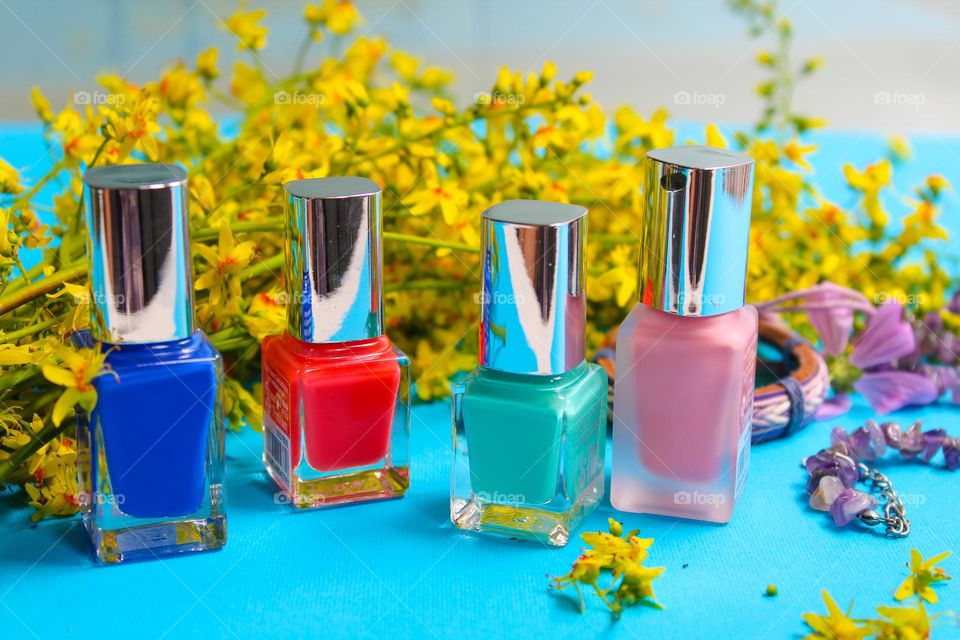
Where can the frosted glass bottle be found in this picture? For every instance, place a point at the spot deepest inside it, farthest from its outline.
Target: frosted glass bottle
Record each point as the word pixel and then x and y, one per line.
pixel 681 432
pixel 686 353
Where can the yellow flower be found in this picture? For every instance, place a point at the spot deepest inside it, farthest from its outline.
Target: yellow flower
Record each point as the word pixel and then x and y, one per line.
pixel 41 105
pixel 76 373
pixel 715 138
pixel 923 573
pixel 207 64
pixel 870 180
pixel 223 264
pixel 836 625
pixel 267 314
pixel 448 197
pixel 937 183
pixel 903 623
pixel 135 128
pixel 796 152
pixel 246 26
pixel 339 16
pixel 9 178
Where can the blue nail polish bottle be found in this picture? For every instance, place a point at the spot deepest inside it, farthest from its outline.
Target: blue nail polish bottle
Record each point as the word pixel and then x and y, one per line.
pixel 151 452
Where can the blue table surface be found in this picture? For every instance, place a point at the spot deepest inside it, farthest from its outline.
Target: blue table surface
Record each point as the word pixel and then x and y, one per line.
pixel 399 569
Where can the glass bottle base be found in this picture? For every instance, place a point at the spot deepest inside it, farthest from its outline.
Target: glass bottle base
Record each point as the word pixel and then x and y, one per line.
pixel 345 488
pixel 159 539
pixel 526 522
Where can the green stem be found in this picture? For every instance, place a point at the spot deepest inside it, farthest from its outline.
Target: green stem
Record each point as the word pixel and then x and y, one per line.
pixel 234 193
pixel 41 287
pixel 610 238
pixel 302 53
pixel 24 198
pixel 428 285
pixel 429 242
pixel 243 227
pixel 270 264
pixel 465 121
pixel 13 336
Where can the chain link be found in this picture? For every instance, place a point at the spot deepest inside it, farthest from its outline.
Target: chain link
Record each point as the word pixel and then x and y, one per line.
pixel 894 513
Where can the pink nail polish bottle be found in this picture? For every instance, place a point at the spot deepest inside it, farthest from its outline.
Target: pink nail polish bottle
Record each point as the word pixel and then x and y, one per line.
pixel 686 354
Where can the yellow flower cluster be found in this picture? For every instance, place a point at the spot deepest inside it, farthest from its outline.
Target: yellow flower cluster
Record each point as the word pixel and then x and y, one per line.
pixel 893 623
pixel 620 558
pixel 379 112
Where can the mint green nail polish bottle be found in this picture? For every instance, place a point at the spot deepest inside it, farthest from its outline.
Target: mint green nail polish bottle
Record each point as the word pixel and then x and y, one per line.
pixel 529 423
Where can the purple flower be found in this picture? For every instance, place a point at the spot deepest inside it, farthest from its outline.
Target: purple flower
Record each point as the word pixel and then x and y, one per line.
pixel 885 339
pixel 832 319
pixel 850 504
pixel 891 390
pixel 836 406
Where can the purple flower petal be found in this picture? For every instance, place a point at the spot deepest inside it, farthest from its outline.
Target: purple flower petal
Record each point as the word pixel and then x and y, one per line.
pixel 891 390
pixel 850 504
pixel 836 406
pixel 886 338
pixel 833 324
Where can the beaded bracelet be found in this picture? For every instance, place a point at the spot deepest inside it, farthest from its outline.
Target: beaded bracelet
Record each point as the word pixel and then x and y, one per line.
pixel 779 408
pixel 833 472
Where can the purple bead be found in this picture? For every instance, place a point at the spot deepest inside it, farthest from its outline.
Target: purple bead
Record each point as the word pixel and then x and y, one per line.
pixel 868 442
pixel 911 441
pixel 840 437
pixel 850 504
pixel 892 434
pixel 826 463
pixel 932 441
pixel 951 453
pixel 876 436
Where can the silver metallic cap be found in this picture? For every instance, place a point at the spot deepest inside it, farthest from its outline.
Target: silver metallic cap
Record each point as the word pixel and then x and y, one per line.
pixel 139 253
pixel 533 317
pixel 696 230
pixel 333 259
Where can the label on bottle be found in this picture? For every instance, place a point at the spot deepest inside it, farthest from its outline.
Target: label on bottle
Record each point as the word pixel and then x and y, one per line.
pixel 276 424
pixel 746 416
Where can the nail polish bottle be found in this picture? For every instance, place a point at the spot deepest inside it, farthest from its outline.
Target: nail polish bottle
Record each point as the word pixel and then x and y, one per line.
pixel 336 391
pixel 686 353
pixel 151 452
pixel 529 424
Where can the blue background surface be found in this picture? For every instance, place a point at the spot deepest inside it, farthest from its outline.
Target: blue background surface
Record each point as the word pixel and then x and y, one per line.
pixel 400 570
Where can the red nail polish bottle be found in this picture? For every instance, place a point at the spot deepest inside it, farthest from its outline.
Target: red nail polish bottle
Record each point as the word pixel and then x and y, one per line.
pixel 336 391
